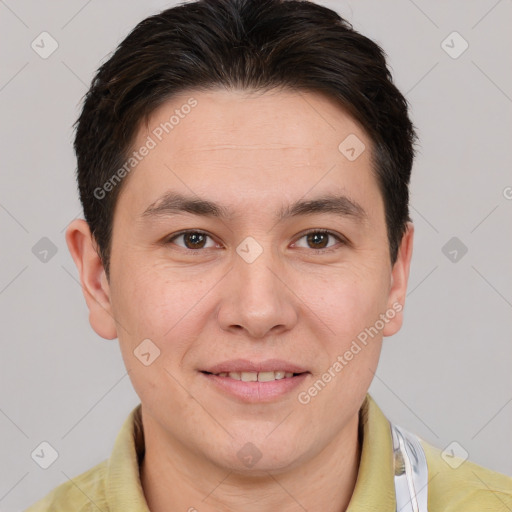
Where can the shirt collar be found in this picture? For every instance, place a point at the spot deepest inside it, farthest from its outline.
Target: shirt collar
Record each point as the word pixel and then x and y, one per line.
pixel 123 486
pixel 374 490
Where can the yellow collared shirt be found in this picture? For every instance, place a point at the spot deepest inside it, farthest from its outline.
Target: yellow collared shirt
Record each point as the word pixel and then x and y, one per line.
pixel 114 484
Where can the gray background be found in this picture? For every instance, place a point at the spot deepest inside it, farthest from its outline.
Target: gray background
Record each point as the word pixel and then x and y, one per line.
pixel 446 376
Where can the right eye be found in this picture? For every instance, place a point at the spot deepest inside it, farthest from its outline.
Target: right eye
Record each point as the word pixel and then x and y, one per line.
pixel 193 240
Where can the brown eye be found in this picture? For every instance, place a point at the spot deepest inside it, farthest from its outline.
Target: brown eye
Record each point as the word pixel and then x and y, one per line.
pixel 192 240
pixel 319 239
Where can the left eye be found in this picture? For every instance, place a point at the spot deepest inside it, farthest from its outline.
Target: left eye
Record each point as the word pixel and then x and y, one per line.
pixel 319 238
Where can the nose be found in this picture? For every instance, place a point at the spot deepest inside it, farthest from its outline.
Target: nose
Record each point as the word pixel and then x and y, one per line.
pixel 258 301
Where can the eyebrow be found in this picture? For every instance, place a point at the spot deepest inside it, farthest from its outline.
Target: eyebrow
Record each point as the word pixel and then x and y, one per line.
pixel 173 203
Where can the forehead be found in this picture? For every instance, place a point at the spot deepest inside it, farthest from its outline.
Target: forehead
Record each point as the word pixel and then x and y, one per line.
pixel 279 119
pixel 243 146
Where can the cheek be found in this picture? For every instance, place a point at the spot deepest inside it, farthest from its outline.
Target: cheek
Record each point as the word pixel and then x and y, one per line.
pixel 152 300
pixel 350 304
pixel 352 308
pixel 154 306
pixel 157 314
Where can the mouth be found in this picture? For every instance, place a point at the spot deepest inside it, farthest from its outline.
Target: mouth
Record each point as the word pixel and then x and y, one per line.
pixel 249 382
pixel 264 376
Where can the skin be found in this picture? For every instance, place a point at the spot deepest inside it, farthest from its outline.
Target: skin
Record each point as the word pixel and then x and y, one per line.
pixel 253 153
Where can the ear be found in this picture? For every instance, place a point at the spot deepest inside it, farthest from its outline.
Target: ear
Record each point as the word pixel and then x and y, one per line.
pixel 399 280
pixel 95 286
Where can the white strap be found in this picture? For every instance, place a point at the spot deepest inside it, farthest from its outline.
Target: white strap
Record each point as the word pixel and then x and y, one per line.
pixel 411 471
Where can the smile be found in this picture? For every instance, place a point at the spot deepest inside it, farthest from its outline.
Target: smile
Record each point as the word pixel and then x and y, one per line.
pixel 255 387
pixel 256 376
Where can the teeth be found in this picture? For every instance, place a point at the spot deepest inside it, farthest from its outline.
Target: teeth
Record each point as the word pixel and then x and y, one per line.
pixel 248 376
pixel 266 376
pixel 257 376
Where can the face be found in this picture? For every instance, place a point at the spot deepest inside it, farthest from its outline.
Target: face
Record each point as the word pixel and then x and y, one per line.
pixel 286 273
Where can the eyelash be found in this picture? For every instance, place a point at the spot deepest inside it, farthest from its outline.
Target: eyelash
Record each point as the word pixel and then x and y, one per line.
pixel 340 239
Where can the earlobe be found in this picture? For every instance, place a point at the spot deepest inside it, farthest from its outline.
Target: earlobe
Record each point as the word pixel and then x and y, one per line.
pixel 399 280
pixel 95 286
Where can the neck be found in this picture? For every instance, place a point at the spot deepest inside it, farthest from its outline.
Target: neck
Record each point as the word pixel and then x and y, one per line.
pixel 173 479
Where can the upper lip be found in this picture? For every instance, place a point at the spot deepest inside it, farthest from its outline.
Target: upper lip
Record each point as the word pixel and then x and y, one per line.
pixel 244 365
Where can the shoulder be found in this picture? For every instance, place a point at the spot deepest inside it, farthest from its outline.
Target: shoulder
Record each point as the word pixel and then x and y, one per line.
pixel 83 493
pixel 457 485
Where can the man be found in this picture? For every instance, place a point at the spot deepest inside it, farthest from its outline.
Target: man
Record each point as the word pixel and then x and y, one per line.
pixel 243 167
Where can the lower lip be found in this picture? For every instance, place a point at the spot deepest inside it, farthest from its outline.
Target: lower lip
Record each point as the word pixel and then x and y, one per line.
pixel 256 391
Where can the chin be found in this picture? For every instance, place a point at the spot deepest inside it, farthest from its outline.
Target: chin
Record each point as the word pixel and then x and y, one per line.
pixel 259 458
